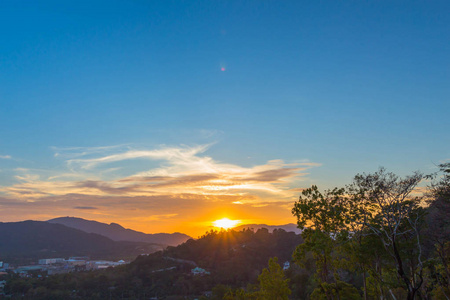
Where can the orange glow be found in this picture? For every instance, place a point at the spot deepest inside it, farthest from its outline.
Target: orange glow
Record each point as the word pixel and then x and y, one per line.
pixel 184 191
pixel 226 223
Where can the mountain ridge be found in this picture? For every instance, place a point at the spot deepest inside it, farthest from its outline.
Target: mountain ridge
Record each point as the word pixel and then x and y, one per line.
pixel 30 240
pixel 117 232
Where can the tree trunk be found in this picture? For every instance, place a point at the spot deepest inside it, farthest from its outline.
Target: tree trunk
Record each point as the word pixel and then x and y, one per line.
pixel 401 273
pixel 392 294
pixel 364 283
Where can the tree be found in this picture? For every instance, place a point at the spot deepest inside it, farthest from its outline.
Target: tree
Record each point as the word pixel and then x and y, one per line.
pixel 273 285
pixel 324 221
pixel 388 209
pixel 239 294
pixel 441 188
pixel 273 282
pixel 342 228
pixel 438 231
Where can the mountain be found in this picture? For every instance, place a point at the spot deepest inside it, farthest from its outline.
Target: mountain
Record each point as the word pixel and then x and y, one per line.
pixel 288 227
pixel 31 240
pixel 118 233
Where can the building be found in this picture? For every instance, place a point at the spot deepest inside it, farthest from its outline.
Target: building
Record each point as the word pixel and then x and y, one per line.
pixel 103 264
pixel 51 261
pixel 199 271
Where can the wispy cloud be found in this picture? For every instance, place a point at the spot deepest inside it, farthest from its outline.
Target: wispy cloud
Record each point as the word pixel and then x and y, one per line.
pixel 85 207
pixel 181 170
pixel 72 152
pixel 5 157
pixel 177 155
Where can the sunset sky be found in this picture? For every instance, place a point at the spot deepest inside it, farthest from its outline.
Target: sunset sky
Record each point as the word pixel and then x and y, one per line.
pixel 165 116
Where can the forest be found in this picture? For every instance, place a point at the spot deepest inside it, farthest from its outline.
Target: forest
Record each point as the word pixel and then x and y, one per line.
pixel 380 237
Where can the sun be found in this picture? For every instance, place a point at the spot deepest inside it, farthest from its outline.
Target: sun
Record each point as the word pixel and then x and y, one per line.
pixel 226 223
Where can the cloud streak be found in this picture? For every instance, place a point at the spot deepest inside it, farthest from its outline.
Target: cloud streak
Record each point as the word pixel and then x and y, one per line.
pixel 180 179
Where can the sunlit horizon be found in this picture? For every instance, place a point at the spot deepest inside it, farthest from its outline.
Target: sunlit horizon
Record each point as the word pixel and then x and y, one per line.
pixel 226 223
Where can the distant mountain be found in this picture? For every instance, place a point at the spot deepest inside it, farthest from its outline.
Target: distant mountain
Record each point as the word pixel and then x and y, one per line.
pixel 288 227
pixel 118 233
pixel 31 240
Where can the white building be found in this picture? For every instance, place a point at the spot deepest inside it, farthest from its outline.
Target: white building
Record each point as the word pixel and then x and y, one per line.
pixel 50 261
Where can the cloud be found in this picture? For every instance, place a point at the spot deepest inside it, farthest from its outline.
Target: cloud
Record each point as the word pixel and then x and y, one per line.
pixel 85 207
pixel 177 181
pixel 5 157
pixel 274 174
pixel 72 152
pixel 177 155
pixel 181 170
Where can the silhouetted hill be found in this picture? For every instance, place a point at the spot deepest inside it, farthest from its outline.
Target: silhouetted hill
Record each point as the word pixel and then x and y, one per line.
pixel 31 240
pixel 287 227
pixel 118 233
pixel 235 257
pixel 229 257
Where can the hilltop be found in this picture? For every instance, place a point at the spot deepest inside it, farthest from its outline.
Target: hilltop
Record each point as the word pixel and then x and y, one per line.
pixel 291 227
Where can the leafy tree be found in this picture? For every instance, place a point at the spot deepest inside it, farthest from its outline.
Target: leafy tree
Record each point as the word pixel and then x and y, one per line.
pixel 273 282
pixel 388 210
pixel 273 285
pixel 239 294
pixel 366 255
pixel 373 226
pixel 338 290
pixel 323 219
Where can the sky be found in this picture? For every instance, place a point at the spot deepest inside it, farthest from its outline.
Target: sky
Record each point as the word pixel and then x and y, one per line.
pixel 164 116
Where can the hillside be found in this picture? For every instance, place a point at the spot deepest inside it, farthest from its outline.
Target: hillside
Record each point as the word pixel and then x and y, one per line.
pixel 231 258
pixel 118 233
pixel 236 257
pixel 30 240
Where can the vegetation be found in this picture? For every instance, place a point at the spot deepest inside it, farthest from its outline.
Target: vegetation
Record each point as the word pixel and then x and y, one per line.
pixel 375 228
pixel 376 238
pixel 233 259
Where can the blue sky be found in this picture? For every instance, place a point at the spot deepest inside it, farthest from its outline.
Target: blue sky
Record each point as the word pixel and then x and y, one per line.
pixel 339 87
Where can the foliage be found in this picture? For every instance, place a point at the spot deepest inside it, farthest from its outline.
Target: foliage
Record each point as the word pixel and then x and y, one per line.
pixel 273 285
pixel 325 228
pixel 438 233
pixel 376 227
pixel 273 282
pixel 388 211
